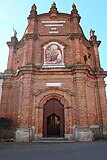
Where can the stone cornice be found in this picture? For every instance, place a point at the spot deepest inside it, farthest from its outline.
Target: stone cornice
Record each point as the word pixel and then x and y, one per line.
pixel 31 36
pixel 13 42
pixel 75 36
pixel 20 44
pixel 53 89
pixel 81 37
pixel 101 74
pixel 54 40
pixel 73 69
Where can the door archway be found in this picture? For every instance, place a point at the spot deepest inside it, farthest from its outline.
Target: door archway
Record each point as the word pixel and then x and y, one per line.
pixel 53 119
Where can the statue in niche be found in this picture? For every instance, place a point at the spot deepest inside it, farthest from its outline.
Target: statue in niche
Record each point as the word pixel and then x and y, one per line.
pixel 53 54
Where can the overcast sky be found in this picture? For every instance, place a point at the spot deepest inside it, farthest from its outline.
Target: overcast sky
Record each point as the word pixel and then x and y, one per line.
pixel 13 14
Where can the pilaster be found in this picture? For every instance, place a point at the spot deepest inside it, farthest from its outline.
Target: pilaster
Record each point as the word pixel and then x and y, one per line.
pixel 12 50
pixel 6 89
pixel 31 34
pixel 96 44
pixel 80 80
pixel 29 49
pixel 102 97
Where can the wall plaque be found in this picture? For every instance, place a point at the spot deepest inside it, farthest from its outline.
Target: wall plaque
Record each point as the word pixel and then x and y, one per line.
pixel 53 84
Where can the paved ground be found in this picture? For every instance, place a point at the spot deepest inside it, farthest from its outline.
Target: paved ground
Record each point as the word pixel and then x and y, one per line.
pixel 54 151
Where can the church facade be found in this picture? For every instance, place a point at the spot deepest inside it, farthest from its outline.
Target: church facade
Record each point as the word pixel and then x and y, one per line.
pixel 54 85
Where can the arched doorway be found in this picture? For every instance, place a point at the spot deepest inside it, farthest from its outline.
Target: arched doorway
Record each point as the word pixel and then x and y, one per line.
pixel 53 119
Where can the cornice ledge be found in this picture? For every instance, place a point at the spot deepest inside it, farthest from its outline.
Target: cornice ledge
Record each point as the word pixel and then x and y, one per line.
pixel 53 90
pixel 101 74
pixel 31 36
pixel 75 36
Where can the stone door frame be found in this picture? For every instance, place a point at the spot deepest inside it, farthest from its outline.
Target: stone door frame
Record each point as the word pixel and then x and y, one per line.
pixel 65 98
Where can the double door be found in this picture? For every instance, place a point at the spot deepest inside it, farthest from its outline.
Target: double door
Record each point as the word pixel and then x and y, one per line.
pixel 53 120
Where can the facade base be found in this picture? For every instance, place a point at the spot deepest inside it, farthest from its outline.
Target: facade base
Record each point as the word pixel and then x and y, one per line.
pixel 82 133
pixel 104 132
pixel 38 136
pixel 97 131
pixel 68 136
pixel 24 135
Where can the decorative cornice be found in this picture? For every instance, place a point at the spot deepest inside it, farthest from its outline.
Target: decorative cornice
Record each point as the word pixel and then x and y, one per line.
pixel 75 36
pixel 81 36
pixel 20 44
pixel 53 89
pixel 101 74
pixel 31 36
pixel 13 42
pixel 54 40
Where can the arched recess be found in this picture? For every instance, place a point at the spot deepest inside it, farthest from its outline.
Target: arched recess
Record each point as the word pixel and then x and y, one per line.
pixel 41 98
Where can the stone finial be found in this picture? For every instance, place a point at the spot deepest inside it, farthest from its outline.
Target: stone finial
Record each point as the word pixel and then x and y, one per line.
pixel 53 11
pixel 74 13
pixel 73 6
pixel 74 9
pixel 53 5
pixel 34 7
pixel 33 12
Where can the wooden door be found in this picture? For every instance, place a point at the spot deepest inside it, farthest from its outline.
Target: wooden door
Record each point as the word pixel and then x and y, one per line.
pixel 53 119
pixel 53 126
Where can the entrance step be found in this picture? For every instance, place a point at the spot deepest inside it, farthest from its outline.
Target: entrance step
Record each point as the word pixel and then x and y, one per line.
pixel 54 140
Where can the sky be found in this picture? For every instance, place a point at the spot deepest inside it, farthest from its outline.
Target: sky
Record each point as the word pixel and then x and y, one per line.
pixel 13 14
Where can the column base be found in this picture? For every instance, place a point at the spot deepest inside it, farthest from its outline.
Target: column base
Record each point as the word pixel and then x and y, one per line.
pixel 68 136
pixel 97 131
pixel 38 136
pixel 23 135
pixel 104 130
pixel 82 133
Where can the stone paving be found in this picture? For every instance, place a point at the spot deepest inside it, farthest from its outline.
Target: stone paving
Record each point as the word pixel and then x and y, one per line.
pixel 54 151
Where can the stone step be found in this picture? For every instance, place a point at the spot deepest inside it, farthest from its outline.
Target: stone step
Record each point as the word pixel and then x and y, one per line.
pixel 53 140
